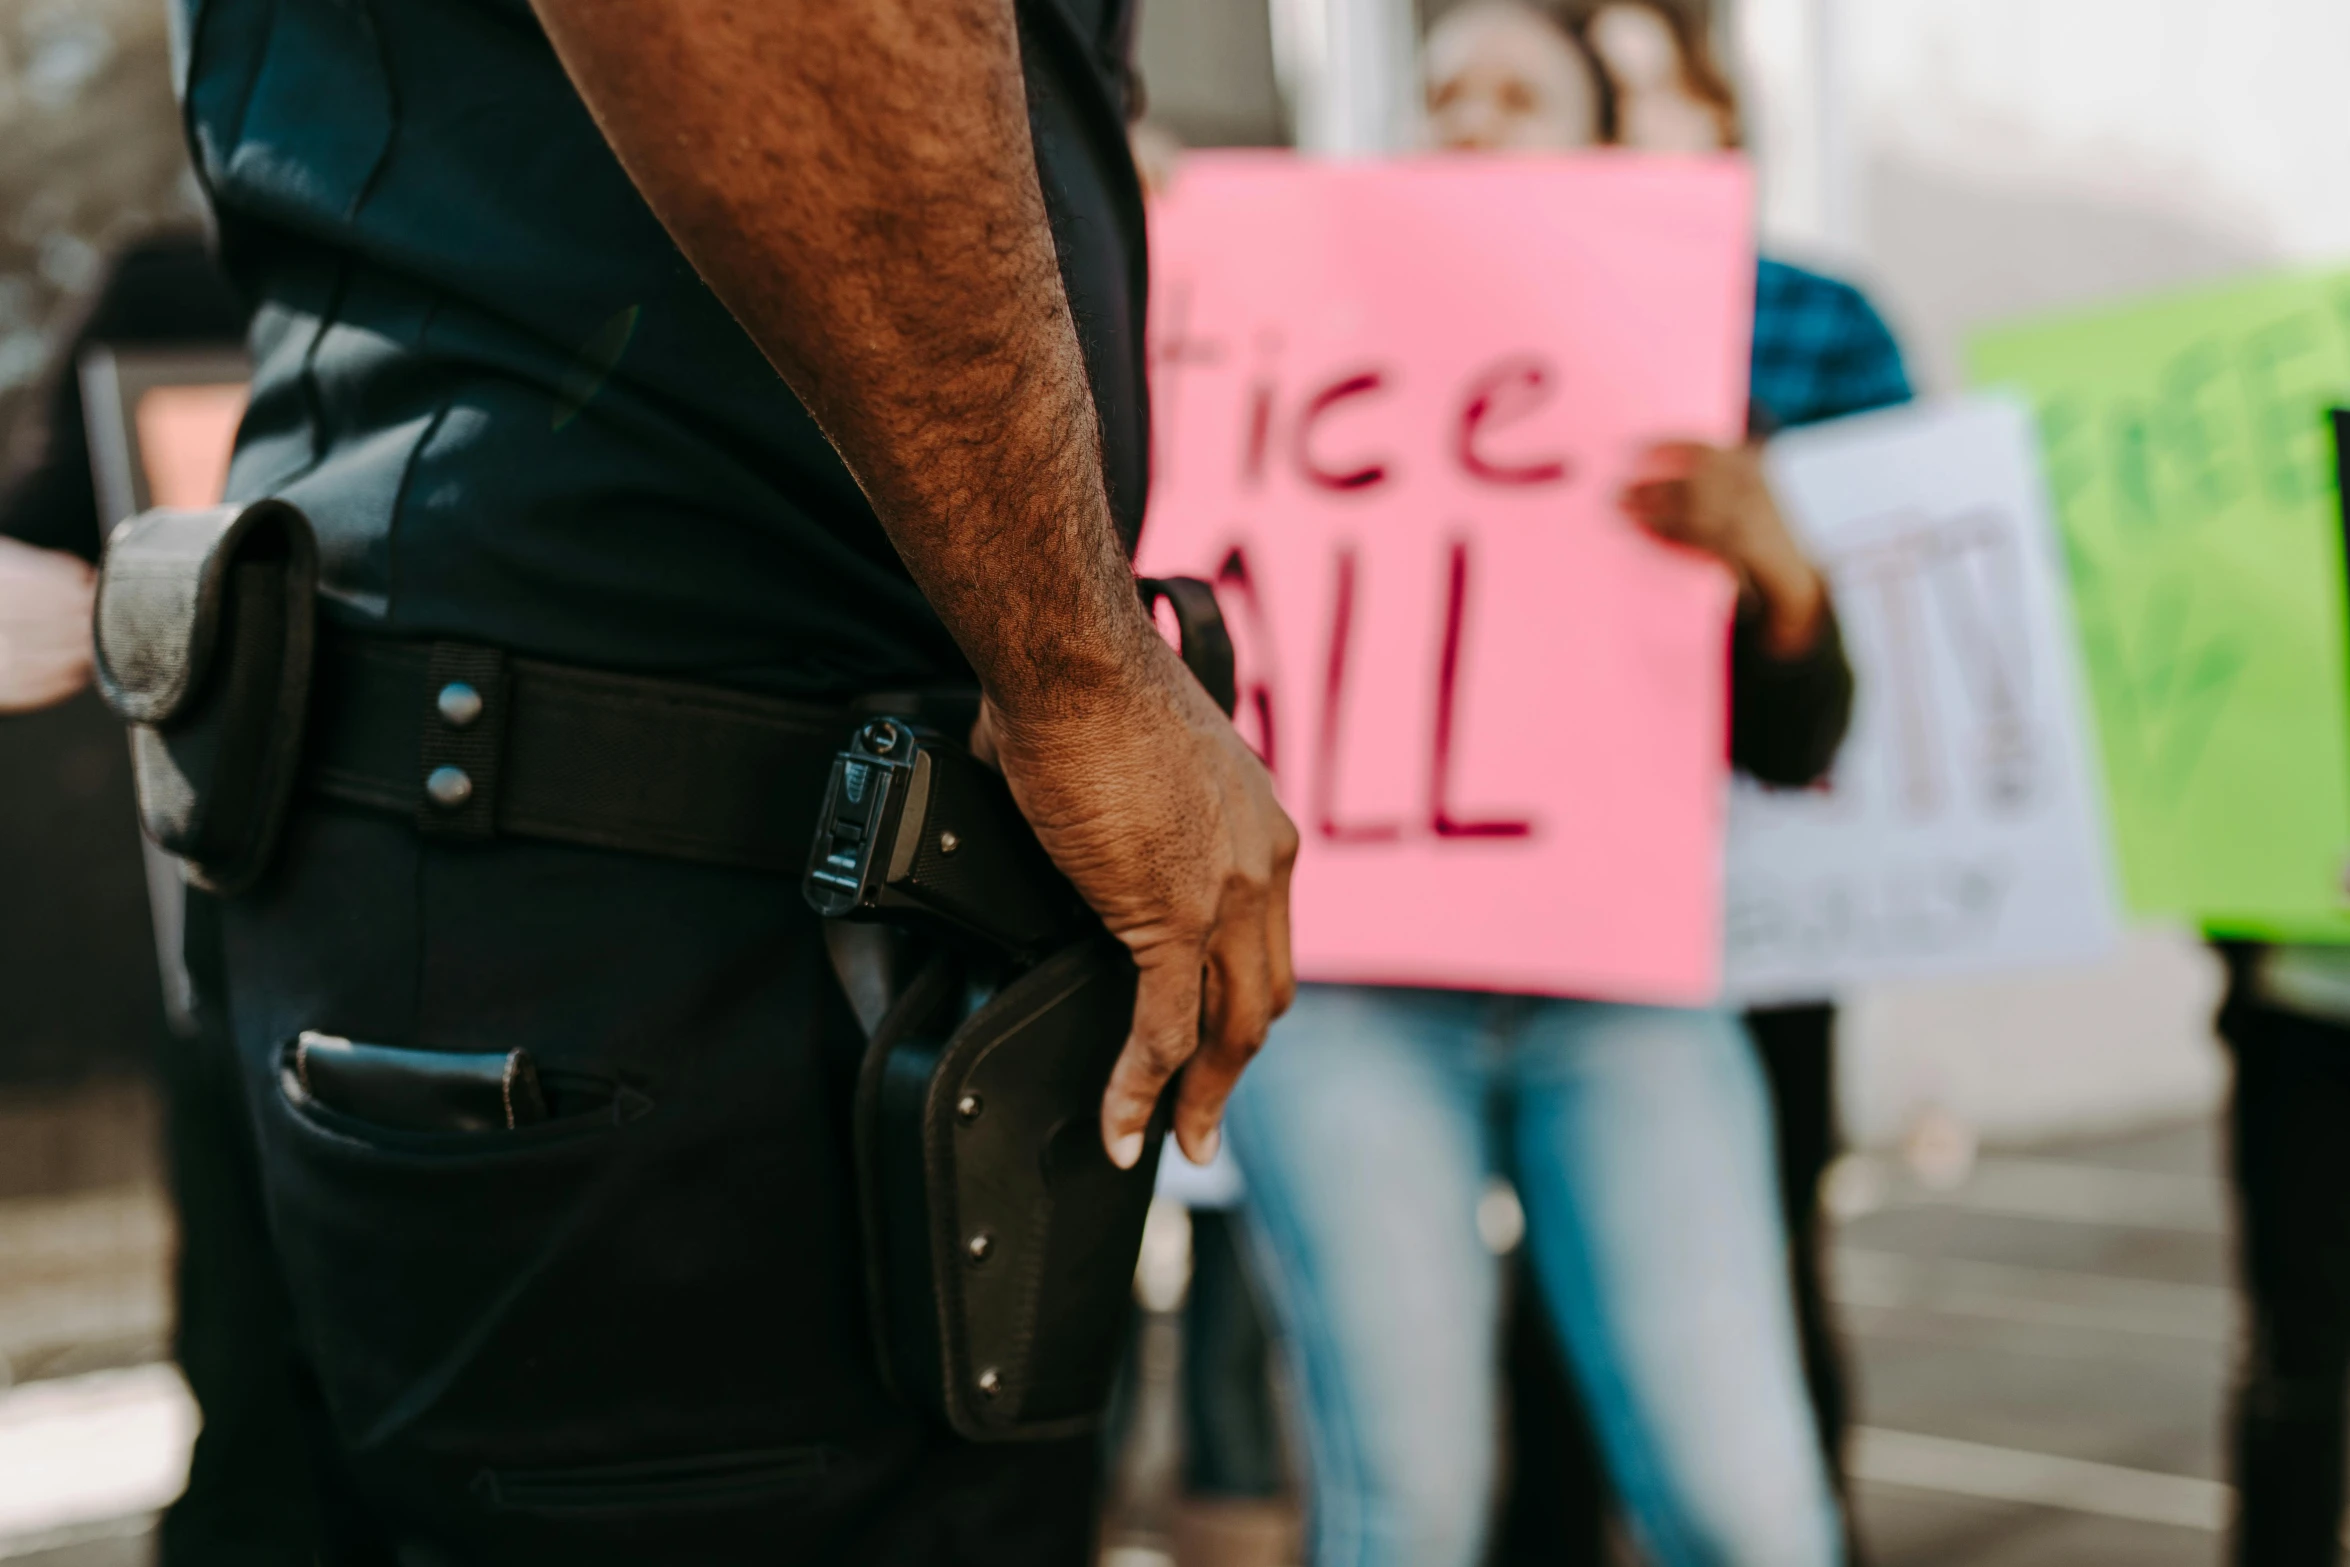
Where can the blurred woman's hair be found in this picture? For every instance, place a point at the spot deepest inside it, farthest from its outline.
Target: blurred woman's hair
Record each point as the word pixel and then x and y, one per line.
pixel 1702 75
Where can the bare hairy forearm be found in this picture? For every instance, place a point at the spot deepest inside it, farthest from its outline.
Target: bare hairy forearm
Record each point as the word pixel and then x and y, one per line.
pixel 857 184
pixel 855 180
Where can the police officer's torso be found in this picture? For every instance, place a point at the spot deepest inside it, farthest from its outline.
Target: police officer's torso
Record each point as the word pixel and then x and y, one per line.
pixel 507 403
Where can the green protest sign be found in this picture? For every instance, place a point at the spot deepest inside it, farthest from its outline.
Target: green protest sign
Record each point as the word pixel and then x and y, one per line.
pixel 2191 462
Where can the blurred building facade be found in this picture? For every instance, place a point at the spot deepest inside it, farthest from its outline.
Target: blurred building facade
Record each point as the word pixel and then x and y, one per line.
pixel 1983 159
pixel 1208 73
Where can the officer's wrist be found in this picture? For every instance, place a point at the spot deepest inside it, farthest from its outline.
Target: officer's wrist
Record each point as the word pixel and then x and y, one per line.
pixel 1078 672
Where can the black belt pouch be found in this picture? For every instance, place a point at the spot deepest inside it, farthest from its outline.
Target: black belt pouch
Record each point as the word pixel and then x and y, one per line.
pixel 205 625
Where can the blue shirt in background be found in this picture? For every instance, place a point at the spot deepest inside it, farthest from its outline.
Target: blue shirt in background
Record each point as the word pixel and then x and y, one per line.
pixel 1821 351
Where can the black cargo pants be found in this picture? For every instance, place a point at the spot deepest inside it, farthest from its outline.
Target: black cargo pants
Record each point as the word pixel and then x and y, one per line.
pixel 634 1334
pixel 255 1479
pixel 2290 1157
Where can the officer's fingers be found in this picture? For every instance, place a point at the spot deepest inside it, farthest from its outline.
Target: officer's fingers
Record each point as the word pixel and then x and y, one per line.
pixel 1199 1106
pixel 1204 1092
pixel 1195 1127
pixel 1165 1034
pixel 1236 1032
pixel 1277 921
pixel 1239 1001
pixel 1240 1008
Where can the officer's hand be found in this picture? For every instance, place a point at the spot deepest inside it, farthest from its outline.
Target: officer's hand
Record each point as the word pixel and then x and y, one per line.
pixel 45 652
pixel 1149 801
pixel 1718 499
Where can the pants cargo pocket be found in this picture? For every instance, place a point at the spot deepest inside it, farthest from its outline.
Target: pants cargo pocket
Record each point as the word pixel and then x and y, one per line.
pixel 712 1480
pixel 426 1267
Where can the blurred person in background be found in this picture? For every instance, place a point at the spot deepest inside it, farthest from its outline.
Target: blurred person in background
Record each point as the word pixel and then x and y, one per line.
pixel 248 1498
pixel 1638 1137
pixel 2286 1020
pixel 1665 90
pixel 1821 351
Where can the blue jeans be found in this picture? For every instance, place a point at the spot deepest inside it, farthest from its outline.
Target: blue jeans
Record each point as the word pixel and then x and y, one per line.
pixel 1639 1141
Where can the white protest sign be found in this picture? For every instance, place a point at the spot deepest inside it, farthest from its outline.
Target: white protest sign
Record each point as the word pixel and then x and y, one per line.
pixel 1960 831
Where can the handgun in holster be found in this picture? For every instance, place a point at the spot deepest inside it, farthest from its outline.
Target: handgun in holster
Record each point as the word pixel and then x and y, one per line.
pixel 1000 1241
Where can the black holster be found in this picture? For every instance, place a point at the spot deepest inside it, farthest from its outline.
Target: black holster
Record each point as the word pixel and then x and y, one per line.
pixel 205 632
pixel 1000 1241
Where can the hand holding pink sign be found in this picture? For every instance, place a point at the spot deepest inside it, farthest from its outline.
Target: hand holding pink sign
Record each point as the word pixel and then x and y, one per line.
pixel 1394 404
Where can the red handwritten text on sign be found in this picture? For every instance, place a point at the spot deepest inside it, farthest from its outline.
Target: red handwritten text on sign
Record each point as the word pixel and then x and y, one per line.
pixel 1392 404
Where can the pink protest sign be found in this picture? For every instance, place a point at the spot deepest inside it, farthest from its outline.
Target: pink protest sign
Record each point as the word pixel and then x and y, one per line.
pixel 1392 406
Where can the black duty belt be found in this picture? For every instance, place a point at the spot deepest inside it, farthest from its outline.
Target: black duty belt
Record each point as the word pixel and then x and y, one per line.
pixel 473 743
pixel 210 648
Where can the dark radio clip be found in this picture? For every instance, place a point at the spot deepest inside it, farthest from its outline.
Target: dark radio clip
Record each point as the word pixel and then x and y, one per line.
pixel 919 831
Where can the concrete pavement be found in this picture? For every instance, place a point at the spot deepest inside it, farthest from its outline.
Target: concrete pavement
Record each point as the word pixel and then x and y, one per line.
pixel 2043 1348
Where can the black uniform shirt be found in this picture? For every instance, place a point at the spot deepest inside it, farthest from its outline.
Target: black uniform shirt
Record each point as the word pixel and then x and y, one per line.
pixel 512 410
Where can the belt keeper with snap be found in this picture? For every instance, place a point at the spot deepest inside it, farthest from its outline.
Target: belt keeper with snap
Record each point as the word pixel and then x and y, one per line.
pixel 463 740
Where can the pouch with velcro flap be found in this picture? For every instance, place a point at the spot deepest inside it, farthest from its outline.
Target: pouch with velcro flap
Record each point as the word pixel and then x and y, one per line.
pixel 206 624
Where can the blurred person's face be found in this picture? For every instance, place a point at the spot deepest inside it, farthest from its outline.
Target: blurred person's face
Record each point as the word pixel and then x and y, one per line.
pixel 1655 111
pixel 1502 78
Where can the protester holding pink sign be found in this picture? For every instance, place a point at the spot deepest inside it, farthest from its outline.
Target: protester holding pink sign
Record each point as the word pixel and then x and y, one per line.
pixel 1404 412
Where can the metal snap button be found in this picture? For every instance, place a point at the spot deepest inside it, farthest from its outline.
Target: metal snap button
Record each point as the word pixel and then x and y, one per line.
pixel 948 843
pixel 448 787
pixel 968 1108
pixel 990 1384
pixel 460 705
pixel 980 1247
